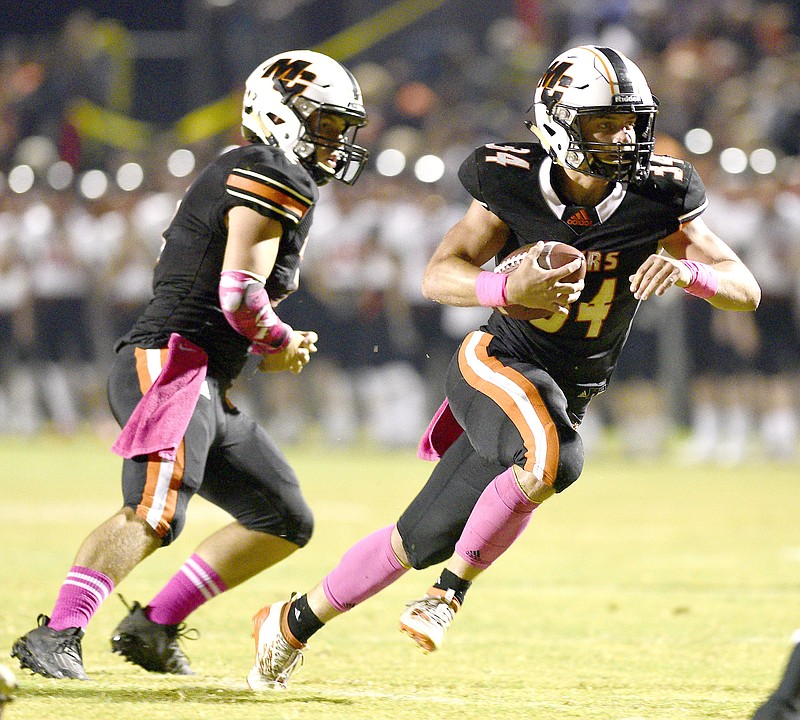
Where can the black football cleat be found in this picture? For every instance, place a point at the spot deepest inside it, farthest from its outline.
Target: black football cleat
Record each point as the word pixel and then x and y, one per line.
pixel 51 653
pixel 151 645
pixel 777 709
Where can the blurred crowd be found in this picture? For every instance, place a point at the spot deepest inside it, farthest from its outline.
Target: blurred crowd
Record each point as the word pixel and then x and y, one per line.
pixel 75 270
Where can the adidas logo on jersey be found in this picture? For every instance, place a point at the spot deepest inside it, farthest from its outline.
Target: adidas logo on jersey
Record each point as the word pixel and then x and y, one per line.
pixel 473 554
pixel 580 218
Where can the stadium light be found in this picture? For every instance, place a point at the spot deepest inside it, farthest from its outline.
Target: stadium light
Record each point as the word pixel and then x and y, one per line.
pixel 429 168
pixel 93 184
pixel 763 161
pixel 733 160
pixel 21 179
pixel 698 141
pixel 130 176
pixel 60 175
pixel 181 162
pixel 390 162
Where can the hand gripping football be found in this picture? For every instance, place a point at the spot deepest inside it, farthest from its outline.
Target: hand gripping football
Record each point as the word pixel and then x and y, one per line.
pixel 554 255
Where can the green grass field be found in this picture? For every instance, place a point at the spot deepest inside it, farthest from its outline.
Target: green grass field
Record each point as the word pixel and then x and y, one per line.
pixel 645 591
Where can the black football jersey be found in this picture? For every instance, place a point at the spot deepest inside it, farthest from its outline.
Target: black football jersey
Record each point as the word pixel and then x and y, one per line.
pixel 186 276
pixel 580 350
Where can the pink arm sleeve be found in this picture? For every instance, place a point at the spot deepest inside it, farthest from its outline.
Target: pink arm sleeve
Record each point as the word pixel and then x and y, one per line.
pixel 246 306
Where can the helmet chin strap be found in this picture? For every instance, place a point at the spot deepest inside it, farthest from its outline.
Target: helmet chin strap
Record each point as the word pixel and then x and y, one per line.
pixel 306 151
pixel 323 174
pixel 623 170
pixel 618 172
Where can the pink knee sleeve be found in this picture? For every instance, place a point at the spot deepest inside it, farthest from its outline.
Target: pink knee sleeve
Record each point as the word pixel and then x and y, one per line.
pixel 497 520
pixel 365 569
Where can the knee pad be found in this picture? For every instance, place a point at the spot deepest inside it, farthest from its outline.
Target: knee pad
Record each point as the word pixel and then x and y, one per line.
pixel 301 527
pixel 296 525
pixel 570 460
pixel 425 547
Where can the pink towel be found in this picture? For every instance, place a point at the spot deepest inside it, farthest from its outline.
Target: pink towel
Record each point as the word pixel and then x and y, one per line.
pixel 442 432
pixel 159 421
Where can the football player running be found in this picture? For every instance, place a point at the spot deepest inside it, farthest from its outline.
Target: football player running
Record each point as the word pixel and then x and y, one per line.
pixel 230 255
pixel 517 390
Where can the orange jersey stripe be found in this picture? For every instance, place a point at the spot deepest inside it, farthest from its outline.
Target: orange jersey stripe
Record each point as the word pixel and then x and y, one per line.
pixel 146 373
pixel 141 370
pixel 520 401
pixel 164 477
pixel 160 496
pixel 272 195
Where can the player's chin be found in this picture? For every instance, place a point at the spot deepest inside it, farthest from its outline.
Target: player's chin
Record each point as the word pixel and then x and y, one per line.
pixel 331 161
pixel 614 161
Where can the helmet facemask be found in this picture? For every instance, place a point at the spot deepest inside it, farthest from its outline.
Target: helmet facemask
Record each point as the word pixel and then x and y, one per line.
pixel 349 158
pixel 619 162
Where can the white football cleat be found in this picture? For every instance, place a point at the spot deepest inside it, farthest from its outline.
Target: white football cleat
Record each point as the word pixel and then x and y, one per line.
pixel 426 620
pixel 8 686
pixel 278 654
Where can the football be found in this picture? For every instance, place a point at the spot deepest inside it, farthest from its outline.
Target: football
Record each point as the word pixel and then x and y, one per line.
pixel 554 255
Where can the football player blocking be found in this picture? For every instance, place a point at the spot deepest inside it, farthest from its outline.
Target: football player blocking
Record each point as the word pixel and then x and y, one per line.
pixel 231 254
pixel 505 438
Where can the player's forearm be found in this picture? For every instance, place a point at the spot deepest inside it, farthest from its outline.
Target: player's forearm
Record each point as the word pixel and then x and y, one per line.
pixel 737 290
pixel 451 282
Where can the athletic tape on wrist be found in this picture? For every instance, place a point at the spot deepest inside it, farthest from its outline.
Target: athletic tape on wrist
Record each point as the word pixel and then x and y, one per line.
pixel 491 289
pixel 705 280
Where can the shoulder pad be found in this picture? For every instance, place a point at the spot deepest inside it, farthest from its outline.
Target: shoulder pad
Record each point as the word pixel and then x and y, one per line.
pixel 497 157
pixel 675 182
pixel 263 176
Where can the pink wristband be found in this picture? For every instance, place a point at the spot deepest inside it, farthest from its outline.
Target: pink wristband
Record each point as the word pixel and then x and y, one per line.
pixel 705 280
pixel 491 289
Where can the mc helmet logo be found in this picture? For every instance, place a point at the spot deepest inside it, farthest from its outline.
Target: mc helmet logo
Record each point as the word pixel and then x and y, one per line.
pixel 555 78
pixel 290 76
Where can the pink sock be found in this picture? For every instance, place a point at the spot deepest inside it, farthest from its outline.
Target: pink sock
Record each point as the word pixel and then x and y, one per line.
pixel 497 520
pixel 81 594
pixel 195 583
pixel 365 569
